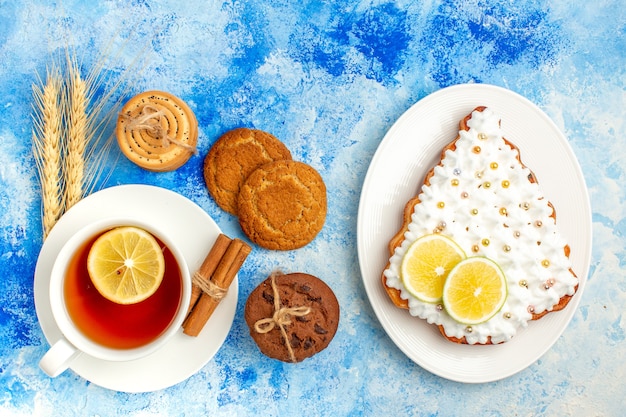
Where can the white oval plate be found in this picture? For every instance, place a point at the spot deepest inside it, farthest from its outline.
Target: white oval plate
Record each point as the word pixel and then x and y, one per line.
pixel 412 147
pixel 195 232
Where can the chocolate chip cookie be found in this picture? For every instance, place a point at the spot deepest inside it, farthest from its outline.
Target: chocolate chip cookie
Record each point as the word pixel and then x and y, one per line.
pixel 292 316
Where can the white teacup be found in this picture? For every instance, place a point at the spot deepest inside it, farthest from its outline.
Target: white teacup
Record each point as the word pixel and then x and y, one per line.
pixel 73 341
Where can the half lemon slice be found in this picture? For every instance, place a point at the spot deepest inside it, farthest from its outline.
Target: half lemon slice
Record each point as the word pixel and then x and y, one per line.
pixel 426 265
pixel 126 264
pixel 474 291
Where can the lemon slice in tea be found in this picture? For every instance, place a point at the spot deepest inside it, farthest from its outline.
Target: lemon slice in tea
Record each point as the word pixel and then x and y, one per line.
pixel 426 265
pixel 475 290
pixel 126 264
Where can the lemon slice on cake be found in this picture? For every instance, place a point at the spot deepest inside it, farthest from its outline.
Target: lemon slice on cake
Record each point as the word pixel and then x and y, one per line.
pixel 474 291
pixel 126 264
pixel 427 263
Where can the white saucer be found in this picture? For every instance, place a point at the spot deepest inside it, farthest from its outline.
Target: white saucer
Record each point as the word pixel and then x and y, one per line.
pixel 195 232
pixel 412 147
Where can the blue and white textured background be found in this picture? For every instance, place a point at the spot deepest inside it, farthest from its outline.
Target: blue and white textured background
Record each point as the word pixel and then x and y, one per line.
pixel 328 78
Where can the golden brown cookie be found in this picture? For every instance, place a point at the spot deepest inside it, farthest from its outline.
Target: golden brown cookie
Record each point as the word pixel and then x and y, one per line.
pixel 157 131
pixel 292 316
pixel 235 155
pixel 282 205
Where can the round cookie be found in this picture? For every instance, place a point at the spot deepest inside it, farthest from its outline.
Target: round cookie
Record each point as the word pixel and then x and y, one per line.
pixel 282 205
pixel 307 310
pixel 235 155
pixel 157 131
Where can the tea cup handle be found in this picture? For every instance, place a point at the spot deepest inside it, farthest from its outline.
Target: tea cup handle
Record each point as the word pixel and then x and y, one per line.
pixel 57 359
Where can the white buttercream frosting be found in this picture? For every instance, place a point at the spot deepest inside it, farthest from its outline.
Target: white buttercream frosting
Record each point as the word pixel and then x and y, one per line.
pixel 481 197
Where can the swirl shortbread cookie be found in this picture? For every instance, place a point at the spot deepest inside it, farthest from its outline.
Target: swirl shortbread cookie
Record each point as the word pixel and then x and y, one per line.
pixel 483 197
pixel 235 155
pixel 157 131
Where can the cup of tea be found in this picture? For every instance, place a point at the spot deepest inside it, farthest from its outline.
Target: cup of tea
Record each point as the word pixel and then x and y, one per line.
pixel 92 324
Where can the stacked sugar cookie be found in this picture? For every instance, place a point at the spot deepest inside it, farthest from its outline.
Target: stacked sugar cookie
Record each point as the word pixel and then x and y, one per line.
pixel 280 203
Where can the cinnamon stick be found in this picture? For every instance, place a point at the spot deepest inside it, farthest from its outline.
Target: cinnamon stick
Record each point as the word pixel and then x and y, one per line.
pixel 208 266
pixel 225 272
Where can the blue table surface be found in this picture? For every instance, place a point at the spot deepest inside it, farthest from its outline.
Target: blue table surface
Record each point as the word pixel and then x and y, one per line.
pixel 328 78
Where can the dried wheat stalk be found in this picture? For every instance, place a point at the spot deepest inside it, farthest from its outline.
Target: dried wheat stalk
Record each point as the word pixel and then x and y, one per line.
pixel 75 105
pixel 73 133
pixel 47 147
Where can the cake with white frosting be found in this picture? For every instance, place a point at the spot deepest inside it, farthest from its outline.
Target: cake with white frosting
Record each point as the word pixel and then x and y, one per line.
pixel 482 196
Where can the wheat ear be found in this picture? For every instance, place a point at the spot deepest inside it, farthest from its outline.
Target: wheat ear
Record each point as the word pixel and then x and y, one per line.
pixel 71 139
pixel 76 102
pixel 47 147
